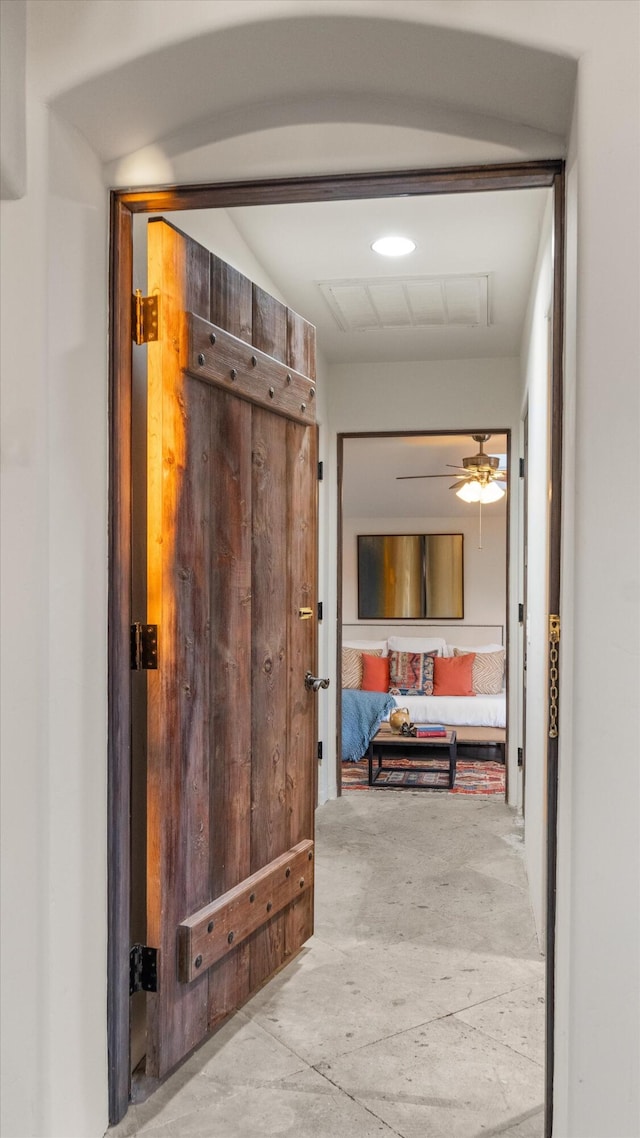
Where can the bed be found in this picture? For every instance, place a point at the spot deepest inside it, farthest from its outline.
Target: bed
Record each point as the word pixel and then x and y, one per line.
pixel 456 710
pixel 479 718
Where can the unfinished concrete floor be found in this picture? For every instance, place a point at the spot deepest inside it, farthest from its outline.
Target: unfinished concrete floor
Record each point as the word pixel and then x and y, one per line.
pixel 417 1008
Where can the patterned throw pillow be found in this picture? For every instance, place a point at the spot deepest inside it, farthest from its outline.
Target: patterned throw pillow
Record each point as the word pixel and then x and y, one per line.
pixel 352 666
pixel 488 671
pixel 411 673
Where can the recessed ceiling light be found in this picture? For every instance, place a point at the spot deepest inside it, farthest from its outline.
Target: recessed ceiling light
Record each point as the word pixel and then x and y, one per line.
pixel 393 246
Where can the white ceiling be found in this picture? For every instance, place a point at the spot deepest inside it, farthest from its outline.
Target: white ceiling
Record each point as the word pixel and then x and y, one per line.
pixel 371 467
pixel 344 64
pixel 302 245
pixel 496 234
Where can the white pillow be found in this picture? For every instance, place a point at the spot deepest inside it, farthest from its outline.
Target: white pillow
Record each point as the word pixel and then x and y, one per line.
pixel 476 648
pixel 367 645
pixel 417 644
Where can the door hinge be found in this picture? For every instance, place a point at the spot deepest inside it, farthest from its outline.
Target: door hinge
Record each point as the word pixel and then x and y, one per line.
pixel 319 610
pixel 143 969
pixel 320 471
pixel 144 318
pixel 319 752
pixel 144 647
pixel 522 468
pixel 520 614
pixel 520 757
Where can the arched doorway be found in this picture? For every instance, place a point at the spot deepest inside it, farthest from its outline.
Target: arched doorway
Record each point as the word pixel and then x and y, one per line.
pixel 124 205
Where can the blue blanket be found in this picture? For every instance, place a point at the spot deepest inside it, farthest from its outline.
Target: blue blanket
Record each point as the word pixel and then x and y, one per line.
pixel 362 714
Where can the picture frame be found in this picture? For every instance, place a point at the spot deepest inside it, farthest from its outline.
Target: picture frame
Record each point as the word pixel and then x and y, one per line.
pixel 411 576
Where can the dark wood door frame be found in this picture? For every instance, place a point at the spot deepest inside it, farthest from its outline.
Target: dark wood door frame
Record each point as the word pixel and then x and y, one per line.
pixel 124 204
pixel 525 604
pixel 554 585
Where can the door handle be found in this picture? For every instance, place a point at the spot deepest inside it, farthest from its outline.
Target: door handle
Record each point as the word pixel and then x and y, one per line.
pixel 314 683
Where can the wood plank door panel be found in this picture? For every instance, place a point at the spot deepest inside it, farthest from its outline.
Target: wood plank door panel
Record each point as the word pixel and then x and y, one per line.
pixel 302 451
pixel 302 718
pixel 269 666
pixel 177 600
pixel 230 848
pixel 231 561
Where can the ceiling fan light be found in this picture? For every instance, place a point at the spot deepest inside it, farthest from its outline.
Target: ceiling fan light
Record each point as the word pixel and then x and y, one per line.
pixel 470 492
pixel 492 492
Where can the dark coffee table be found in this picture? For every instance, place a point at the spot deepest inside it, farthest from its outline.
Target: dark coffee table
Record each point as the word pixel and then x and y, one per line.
pixel 386 744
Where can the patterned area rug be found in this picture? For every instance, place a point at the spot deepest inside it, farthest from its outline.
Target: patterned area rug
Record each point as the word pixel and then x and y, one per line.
pixel 471 777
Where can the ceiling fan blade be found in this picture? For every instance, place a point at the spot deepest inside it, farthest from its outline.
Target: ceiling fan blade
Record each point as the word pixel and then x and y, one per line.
pixel 401 477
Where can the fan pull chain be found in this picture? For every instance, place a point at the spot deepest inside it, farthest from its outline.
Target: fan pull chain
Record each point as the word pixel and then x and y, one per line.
pixel 480 525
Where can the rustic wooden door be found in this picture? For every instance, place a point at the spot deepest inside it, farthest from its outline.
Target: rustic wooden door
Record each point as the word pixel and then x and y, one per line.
pixel 231 585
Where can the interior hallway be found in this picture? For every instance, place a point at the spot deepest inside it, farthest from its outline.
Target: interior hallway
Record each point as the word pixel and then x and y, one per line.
pixel 417 1009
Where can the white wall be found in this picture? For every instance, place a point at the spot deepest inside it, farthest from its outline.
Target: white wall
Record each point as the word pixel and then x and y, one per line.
pixel 53 536
pixel 54 556
pixel 598 1005
pixel 13 123
pixel 216 230
pixel 424 395
pixel 25 603
pixel 485 570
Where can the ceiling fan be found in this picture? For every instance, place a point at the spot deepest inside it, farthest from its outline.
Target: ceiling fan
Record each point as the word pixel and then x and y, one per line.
pixel 479 478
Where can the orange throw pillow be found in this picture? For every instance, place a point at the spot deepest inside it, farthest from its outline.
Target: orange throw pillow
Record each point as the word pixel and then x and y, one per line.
pixel 453 675
pixel 375 673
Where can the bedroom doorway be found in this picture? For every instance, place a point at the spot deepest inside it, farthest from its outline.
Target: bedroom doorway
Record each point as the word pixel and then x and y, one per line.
pixel 404 484
pixel 124 206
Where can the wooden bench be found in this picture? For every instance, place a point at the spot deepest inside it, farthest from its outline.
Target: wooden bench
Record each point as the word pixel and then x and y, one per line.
pixel 481 742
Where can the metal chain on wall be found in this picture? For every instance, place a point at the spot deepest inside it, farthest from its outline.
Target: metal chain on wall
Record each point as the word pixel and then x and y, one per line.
pixel 554 641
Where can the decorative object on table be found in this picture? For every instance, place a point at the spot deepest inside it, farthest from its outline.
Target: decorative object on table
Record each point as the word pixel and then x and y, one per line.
pixel 429 730
pixel 399 718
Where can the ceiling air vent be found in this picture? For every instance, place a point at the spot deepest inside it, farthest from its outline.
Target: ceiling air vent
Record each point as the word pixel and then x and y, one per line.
pixel 408 302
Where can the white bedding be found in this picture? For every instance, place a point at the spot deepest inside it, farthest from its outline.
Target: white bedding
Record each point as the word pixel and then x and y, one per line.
pixel 456 710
